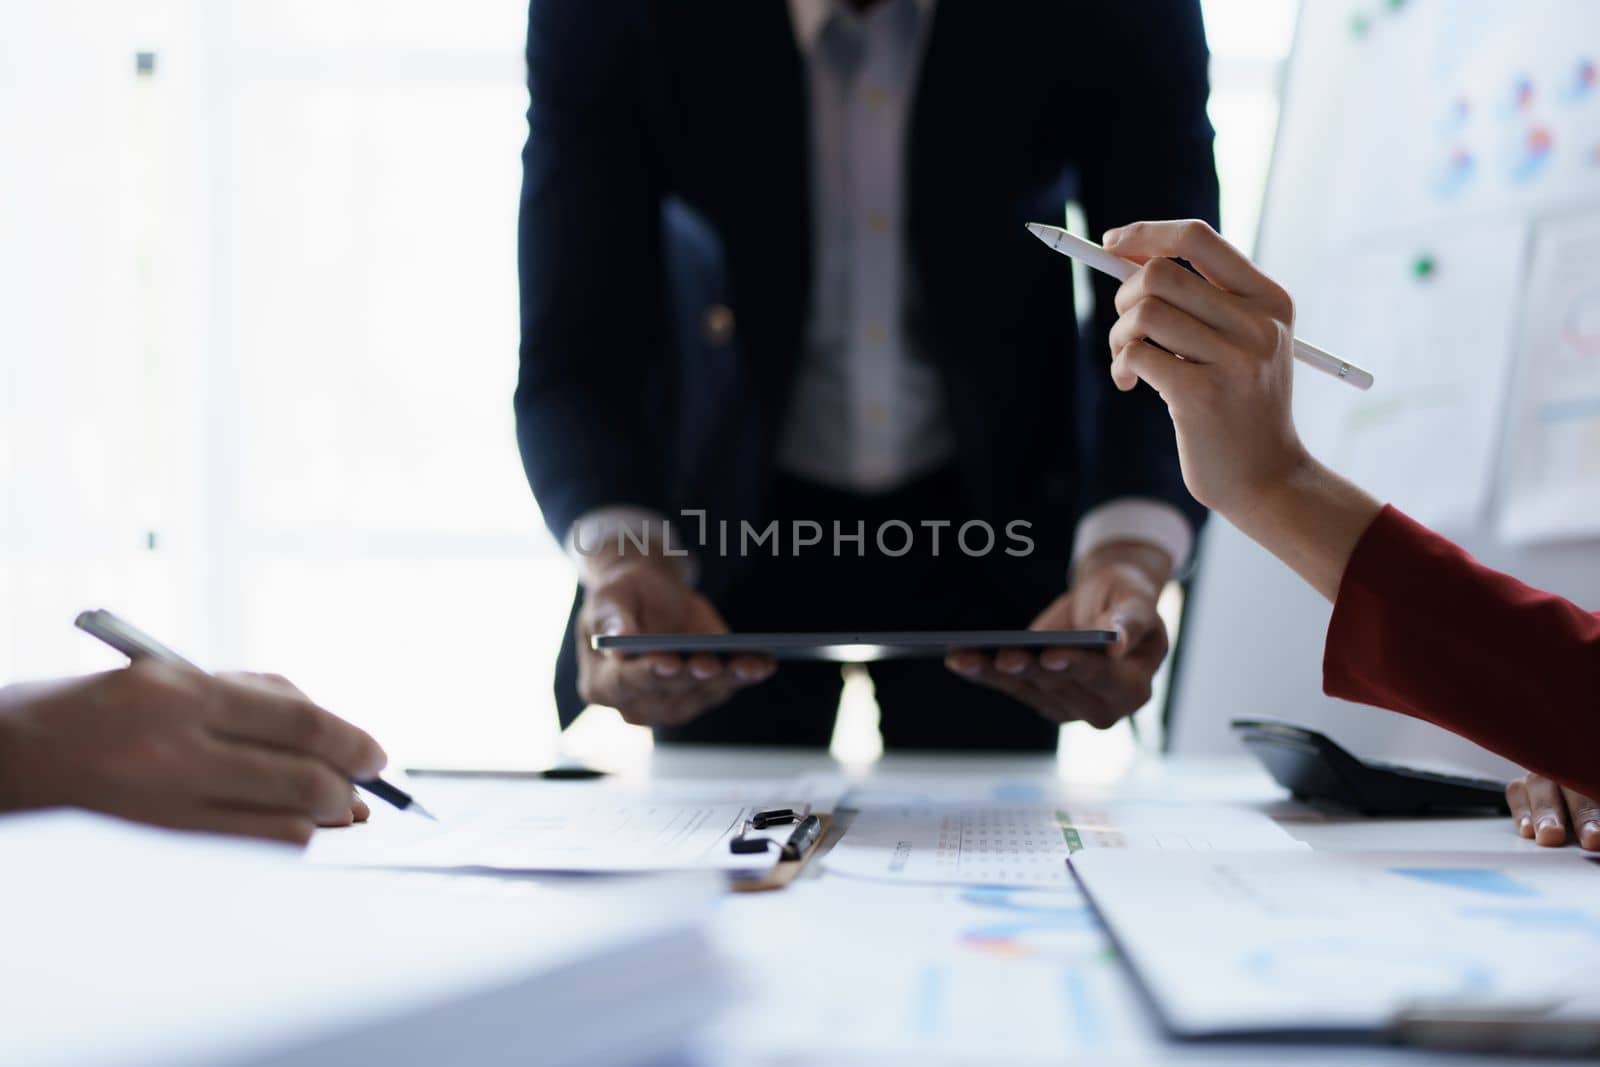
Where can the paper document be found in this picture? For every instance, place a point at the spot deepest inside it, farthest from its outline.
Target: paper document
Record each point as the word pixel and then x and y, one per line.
pixel 1242 943
pixel 1029 846
pixel 924 976
pixel 599 827
pixel 593 836
pixel 921 974
pixel 1552 488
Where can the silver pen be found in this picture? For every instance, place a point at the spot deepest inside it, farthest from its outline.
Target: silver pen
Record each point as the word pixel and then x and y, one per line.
pixel 136 644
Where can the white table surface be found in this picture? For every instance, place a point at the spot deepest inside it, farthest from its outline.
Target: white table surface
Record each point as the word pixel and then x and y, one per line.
pixel 1229 781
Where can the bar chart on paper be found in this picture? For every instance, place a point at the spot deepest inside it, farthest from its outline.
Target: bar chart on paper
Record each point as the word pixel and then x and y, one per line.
pixel 1029 846
pixel 933 973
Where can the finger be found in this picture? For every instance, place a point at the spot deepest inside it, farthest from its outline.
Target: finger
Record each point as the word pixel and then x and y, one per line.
pixel 1584 816
pixel 1061 697
pixel 751 669
pixel 608 617
pixel 1154 319
pixel 1012 661
pixel 965 661
pixel 343 817
pixel 1195 241
pixel 1123 375
pixel 1549 809
pixel 1054 697
pixel 1517 801
pixel 288 827
pixel 248 775
pixel 663 665
pixel 1167 280
pixel 254 713
pixel 1133 618
pixel 1162 371
pixel 1087 667
pixel 1056 660
pixel 623 683
pixel 1106 690
pixel 267 680
pixel 1062 613
pixel 360 810
pixel 705 666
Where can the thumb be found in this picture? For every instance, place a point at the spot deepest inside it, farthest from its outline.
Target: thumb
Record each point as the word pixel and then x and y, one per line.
pixel 609 616
pixel 1132 618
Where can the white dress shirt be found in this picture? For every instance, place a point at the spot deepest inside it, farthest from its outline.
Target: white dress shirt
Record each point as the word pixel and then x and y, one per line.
pixel 867 411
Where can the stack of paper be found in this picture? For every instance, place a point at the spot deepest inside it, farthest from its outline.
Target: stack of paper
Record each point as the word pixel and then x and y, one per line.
pixel 126 946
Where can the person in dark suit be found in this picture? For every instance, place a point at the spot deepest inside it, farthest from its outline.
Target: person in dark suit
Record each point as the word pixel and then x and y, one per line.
pixel 790 361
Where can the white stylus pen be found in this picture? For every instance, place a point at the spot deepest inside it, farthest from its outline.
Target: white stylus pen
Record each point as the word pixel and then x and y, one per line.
pixel 1121 269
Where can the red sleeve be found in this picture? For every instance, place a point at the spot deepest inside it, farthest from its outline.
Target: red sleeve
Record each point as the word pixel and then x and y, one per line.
pixel 1422 628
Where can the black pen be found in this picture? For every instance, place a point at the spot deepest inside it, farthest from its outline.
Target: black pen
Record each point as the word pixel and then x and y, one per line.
pixel 136 644
pixel 564 773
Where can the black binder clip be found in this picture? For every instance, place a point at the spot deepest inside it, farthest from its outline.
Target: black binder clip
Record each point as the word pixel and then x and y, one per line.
pixel 742 844
pixel 801 839
pixel 776 817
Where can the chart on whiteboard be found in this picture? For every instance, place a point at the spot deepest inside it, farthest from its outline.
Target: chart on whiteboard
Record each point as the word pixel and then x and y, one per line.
pixel 1552 489
pixel 1466 107
pixel 1431 314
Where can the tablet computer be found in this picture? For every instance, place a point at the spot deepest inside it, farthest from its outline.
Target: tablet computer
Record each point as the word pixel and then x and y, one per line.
pixel 854 647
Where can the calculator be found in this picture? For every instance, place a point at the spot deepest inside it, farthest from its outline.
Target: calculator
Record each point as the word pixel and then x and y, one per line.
pixel 1313 766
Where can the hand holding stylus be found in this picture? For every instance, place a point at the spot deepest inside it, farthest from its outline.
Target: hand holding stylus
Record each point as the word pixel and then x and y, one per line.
pixel 1229 394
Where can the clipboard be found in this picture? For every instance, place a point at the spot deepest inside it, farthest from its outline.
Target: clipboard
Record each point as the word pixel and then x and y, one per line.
pixel 785 870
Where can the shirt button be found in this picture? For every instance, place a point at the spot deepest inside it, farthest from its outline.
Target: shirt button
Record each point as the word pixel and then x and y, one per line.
pixel 876 97
pixel 874 333
pixel 878 222
pixel 877 415
pixel 717 326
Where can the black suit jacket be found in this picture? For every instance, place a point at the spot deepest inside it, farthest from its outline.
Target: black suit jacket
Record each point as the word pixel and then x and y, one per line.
pixel 666 173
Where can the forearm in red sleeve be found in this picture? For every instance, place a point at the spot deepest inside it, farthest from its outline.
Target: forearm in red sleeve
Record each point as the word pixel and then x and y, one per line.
pixel 1421 627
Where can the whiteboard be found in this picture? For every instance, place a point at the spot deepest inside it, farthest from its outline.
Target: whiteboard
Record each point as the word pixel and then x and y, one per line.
pixel 1423 149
